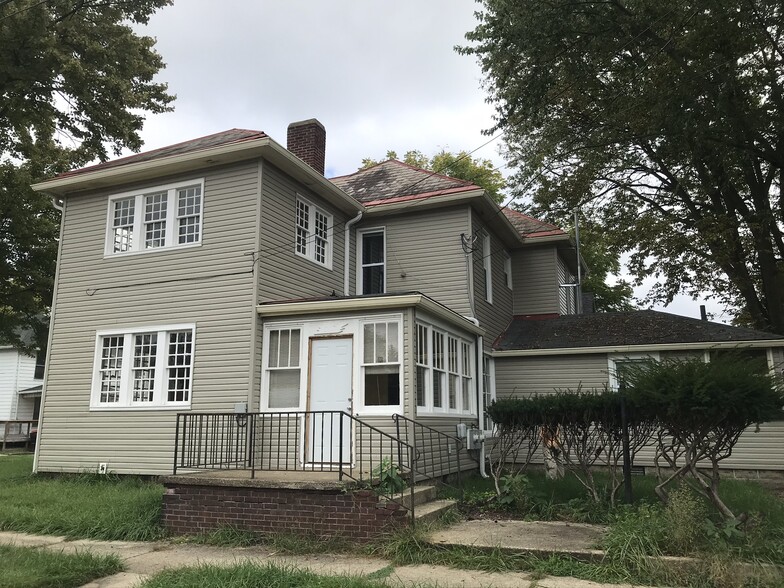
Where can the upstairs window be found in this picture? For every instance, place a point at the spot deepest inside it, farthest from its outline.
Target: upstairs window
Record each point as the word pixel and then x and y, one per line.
pixel 487 267
pixel 149 367
pixel 162 217
pixel 373 262
pixel 313 233
pixel 508 270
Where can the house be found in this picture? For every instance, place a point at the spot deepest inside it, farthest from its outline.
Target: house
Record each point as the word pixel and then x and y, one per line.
pixel 220 303
pixel 21 379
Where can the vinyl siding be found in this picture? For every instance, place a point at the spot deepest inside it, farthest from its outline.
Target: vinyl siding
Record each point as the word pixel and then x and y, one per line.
pixel 424 254
pixel 210 286
pixel 531 375
pixel 9 360
pixel 535 281
pixel 493 317
pixel 284 275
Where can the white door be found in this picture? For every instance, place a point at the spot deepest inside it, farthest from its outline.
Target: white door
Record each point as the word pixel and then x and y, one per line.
pixel 330 393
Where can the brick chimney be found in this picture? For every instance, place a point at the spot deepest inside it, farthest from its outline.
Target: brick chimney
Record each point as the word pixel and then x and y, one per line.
pixel 307 139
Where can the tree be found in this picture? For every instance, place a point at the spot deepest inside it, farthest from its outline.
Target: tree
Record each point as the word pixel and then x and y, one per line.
pixel 456 165
pixel 76 81
pixel 664 121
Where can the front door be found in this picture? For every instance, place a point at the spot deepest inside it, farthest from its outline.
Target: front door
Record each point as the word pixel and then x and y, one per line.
pixel 328 433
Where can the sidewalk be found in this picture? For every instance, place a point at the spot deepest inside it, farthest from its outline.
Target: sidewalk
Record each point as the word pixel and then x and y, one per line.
pixel 144 559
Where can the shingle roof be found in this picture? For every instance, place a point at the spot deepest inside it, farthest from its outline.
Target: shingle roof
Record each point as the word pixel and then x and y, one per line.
pixel 530 227
pixel 215 140
pixel 610 329
pixel 393 180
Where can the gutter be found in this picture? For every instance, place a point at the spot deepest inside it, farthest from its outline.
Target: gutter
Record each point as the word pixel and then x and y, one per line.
pixel 639 348
pixel 347 250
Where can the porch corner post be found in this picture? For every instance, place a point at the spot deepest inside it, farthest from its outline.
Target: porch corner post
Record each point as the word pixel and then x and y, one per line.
pixel 252 448
pixel 340 448
pixel 176 443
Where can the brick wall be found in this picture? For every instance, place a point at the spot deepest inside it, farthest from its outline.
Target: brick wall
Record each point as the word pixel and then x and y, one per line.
pixel 356 515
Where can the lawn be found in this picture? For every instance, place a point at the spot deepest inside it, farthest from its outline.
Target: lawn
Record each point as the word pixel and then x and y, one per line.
pixel 25 567
pixel 78 506
pixel 249 575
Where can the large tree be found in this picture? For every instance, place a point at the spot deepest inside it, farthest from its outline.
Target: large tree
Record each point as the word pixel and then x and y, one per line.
pixel 664 120
pixel 76 82
pixel 456 165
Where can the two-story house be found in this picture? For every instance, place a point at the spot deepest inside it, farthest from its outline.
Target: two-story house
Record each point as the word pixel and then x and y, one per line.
pixel 226 274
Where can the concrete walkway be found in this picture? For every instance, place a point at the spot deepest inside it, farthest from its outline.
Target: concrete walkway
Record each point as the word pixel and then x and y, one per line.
pixel 144 559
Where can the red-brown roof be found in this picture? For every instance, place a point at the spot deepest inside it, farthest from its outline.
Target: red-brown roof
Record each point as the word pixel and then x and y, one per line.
pixel 530 227
pixel 214 140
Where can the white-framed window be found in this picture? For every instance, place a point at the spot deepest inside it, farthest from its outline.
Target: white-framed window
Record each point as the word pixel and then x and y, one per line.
pixel 487 267
pixel 444 371
pixel 162 217
pixel 149 367
pixel 380 366
pixel 372 261
pixel 508 270
pixel 618 364
pixel 282 364
pixel 488 386
pixel 313 233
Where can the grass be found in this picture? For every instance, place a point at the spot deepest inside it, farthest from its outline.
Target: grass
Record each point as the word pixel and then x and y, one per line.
pixel 78 506
pixel 283 543
pixel 25 567
pixel 250 575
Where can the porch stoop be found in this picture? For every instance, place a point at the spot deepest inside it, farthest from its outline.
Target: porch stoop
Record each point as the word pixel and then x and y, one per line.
pixel 426 507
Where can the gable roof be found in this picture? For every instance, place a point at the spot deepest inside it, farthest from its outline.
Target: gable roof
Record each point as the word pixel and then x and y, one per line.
pixel 530 227
pixel 392 180
pixel 619 329
pixel 215 140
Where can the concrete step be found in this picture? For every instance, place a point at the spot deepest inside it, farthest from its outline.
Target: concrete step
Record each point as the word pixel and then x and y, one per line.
pixel 431 511
pixel 422 494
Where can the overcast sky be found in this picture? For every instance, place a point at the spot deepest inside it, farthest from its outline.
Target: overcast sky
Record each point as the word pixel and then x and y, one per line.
pixel 378 75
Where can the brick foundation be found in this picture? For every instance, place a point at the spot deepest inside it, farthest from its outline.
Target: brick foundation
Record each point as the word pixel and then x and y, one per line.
pixel 357 515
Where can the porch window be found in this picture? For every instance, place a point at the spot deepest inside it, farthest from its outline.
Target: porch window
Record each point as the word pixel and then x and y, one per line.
pixel 149 368
pixel 488 386
pixel 283 368
pixel 381 363
pixel 373 264
pixel 444 371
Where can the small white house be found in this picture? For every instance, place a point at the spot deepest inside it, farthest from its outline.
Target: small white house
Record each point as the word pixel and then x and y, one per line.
pixel 21 377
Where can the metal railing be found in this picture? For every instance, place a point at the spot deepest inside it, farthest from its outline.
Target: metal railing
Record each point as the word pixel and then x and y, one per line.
pixel 18 431
pixel 304 441
pixel 436 454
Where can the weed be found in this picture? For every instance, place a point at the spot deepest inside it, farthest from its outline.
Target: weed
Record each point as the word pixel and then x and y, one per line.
pixel 387 478
pixel 26 567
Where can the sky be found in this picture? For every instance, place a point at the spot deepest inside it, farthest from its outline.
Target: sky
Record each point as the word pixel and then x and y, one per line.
pixel 378 75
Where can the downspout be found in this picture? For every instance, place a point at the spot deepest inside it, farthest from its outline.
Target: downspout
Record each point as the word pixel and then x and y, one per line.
pixel 347 250
pixel 56 205
pixel 480 401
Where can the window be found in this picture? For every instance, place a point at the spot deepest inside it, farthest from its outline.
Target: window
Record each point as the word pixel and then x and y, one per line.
pixel 314 233
pixel 283 370
pixel 144 368
pixel 487 265
pixel 162 217
pixel 381 363
pixel 619 365
pixel 373 262
pixel 444 371
pixel 488 386
pixel 508 270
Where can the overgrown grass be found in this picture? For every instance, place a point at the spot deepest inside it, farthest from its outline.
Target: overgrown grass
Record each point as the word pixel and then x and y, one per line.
pixel 283 543
pixel 250 575
pixel 78 506
pixel 26 567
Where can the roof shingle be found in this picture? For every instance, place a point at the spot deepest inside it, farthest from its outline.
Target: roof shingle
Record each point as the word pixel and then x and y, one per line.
pixel 615 329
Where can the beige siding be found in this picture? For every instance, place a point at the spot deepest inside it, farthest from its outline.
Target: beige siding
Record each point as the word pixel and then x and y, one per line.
pixel 424 254
pixel 520 376
pixel 210 286
pixel 535 278
pixel 493 317
pixel 283 274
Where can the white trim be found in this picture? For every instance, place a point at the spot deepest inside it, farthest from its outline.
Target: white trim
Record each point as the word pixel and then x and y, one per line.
pixel 359 265
pixel 357 305
pixel 640 348
pixel 125 401
pixel 310 240
pixel 171 219
pixel 612 358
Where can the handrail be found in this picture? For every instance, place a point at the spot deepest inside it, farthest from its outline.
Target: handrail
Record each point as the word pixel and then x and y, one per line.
pixel 273 441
